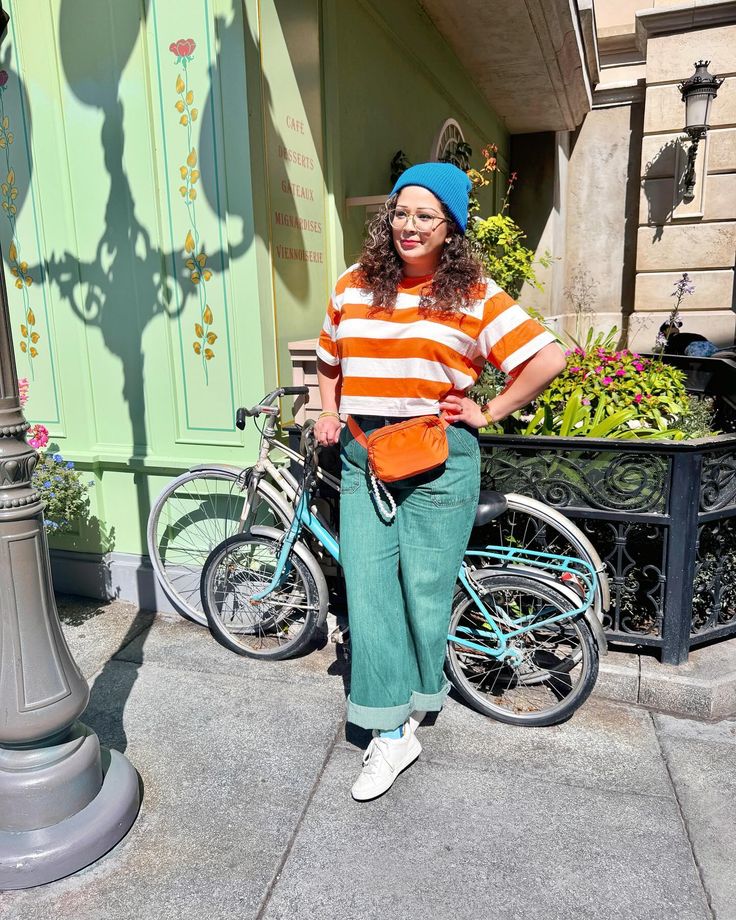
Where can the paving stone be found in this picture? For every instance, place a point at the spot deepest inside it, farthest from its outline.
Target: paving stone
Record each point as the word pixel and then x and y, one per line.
pixel 96 630
pixel 451 842
pixel 702 763
pixel 601 747
pixel 173 642
pixel 227 766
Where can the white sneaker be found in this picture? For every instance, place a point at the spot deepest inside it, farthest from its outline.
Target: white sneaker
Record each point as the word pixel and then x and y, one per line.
pixel 416 719
pixel 384 759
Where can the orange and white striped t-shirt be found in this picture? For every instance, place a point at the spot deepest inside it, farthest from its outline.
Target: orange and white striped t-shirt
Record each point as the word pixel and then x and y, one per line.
pixel 401 362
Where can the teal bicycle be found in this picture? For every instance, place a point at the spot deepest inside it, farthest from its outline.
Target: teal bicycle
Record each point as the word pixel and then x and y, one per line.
pixel 524 640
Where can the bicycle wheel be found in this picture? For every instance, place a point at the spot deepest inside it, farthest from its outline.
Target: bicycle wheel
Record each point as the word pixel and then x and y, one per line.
pixel 529 524
pixel 557 665
pixel 276 627
pixel 192 515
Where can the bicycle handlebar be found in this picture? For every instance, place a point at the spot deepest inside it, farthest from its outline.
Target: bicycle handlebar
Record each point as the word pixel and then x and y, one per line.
pixel 243 413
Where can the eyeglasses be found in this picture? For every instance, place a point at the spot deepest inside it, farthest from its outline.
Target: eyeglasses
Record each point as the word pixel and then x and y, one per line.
pixel 424 221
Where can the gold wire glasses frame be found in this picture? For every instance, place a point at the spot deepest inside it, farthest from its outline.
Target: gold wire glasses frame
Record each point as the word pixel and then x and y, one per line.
pixel 424 221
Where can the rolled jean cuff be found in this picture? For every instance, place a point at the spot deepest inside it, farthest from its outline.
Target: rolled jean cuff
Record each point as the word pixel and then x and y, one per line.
pixel 386 718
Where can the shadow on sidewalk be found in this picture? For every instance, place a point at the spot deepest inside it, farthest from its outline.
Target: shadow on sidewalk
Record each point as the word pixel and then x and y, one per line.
pixel 114 684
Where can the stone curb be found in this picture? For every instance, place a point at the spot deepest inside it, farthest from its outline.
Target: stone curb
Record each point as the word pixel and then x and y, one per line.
pixel 704 688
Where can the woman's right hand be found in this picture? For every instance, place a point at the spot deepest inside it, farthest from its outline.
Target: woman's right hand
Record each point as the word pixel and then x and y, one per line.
pixel 327 430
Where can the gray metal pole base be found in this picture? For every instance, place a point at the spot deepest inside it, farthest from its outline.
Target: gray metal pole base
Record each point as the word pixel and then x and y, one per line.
pixel 75 772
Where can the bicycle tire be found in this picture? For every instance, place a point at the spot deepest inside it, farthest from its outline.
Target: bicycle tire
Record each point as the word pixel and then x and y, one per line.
pixel 260 631
pixel 525 687
pixel 179 569
pixel 530 524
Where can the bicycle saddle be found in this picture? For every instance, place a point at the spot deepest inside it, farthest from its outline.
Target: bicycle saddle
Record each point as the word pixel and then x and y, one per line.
pixel 490 505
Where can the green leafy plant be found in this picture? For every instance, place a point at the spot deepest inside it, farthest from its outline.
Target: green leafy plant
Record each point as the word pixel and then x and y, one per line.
pixel 498 239
pixel 607 393
pixel 63 492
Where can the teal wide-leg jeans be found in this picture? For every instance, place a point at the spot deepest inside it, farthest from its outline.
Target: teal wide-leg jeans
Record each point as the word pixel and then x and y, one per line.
pixel 400 577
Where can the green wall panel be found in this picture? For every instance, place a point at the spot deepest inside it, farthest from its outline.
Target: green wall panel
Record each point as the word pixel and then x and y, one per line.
pixel 34 337
pixel 160 259
pixel 127 274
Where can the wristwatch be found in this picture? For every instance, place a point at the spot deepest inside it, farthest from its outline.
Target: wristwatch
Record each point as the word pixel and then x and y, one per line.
pixel 488 416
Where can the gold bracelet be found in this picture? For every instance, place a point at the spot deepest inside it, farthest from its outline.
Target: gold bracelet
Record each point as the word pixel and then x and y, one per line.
pixel 327 412
pixel 488 416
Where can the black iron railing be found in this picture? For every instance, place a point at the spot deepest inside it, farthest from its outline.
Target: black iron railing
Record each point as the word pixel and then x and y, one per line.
pixel 661 514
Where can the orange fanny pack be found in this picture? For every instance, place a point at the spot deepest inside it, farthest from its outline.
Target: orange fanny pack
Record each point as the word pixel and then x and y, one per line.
pixel 405 449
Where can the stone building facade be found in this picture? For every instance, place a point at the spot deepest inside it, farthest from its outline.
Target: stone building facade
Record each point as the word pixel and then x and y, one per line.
pixel 616 220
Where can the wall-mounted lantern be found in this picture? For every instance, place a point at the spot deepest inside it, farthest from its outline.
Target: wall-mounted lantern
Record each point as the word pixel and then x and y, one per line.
pixel 698 92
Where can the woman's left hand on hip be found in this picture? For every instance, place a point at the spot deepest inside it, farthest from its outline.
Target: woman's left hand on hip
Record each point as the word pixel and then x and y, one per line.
pixel 462 409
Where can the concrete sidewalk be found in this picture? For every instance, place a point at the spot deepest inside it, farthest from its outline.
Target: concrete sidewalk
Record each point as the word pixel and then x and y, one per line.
pixel 247 813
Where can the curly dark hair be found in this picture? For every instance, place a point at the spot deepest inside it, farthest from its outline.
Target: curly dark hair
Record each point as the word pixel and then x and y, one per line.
pixel 456 279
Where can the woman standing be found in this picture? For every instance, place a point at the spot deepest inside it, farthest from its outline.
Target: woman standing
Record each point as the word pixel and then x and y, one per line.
pixel 407 332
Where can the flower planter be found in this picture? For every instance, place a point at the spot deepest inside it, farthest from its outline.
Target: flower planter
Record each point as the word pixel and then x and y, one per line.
pixel 662 515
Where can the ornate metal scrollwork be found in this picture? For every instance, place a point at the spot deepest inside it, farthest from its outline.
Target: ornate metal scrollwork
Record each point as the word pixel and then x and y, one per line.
pixel 718 481
pixel 714 597
pixel 17 469
pixel 604 480
pixel 634 556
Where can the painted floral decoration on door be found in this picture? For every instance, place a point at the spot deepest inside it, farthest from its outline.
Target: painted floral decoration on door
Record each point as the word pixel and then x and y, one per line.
pixel 194 253
pixel 18 268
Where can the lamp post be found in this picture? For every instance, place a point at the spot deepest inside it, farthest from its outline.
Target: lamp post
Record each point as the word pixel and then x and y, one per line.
pixel 698 93
pixel 64 801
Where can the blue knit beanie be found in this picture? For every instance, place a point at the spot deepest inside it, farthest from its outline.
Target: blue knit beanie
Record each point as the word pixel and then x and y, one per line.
pixel 444 180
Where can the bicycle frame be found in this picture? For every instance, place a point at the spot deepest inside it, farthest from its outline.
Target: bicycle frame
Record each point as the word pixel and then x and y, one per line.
pixel 546 562
pixel 281 475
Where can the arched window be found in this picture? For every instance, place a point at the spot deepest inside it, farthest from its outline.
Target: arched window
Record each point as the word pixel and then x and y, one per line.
pixel 450 146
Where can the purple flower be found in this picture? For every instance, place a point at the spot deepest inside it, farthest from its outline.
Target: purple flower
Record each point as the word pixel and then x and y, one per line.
pixel 683 286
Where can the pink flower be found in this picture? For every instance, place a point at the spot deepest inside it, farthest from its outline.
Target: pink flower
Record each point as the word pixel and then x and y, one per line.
pixel 184 48
pixel 599 369
pixel 606 381
pixel 579 351
pixel 620 372
pixel 585 402
pixel 38 436
pixel 638 366
pixel 568 353
pixel 575 369
pixel 3 77
pixel 23 390
pixel 638 398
